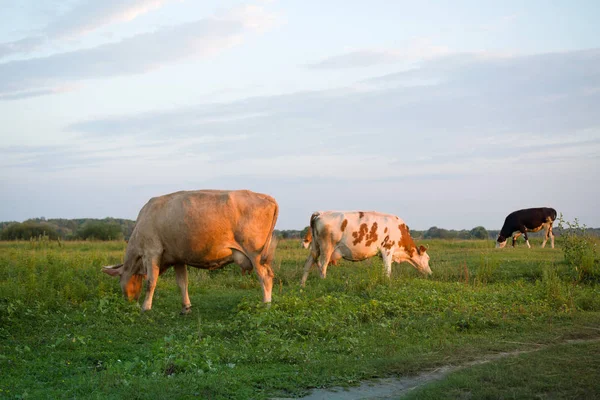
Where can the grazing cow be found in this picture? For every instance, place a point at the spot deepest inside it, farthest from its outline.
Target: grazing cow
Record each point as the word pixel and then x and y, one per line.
pixel 527 220
pixel 308 240
pixel 205 229
pixel 358 235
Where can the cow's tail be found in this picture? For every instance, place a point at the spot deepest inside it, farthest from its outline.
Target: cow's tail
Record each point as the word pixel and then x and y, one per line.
pixel 268 251
pixel 313 227
pixel 313 218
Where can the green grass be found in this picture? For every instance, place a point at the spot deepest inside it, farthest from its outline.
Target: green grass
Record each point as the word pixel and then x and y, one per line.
pixel 566 371
pixel 66 332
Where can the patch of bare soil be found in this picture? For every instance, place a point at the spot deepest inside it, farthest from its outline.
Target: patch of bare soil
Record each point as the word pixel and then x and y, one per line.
pixel 387 388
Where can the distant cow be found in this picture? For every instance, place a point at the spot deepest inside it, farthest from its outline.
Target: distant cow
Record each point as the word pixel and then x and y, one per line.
pixel 307 239
pixel 205 229
pixel 527 220
pixel 358 235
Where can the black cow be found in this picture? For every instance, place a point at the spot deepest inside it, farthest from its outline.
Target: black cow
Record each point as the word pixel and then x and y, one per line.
pixel 527 220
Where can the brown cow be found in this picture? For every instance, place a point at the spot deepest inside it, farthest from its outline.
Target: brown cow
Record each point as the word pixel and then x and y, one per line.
pixel 307 239
pixel 205 229
pixel 358 235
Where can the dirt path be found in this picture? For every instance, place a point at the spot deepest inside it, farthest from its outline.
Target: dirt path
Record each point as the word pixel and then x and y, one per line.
pixel 397 387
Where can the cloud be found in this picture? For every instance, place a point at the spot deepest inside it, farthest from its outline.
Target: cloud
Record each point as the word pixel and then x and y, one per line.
pixel 38 92
pixel 134 55
pixel 483 128
pixel 91 15
pixel 479 113
pixel 25 45
pixel 252 17
pixel 418 49
pixel 485 116
pixel 470 96
pixel 84 17
pixel 499 24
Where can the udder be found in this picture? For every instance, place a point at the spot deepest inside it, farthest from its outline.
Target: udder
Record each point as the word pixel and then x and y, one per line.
pixel 354 253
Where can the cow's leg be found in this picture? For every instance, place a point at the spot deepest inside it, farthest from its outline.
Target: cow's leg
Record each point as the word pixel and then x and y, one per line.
pixel 548 234
pixel 265 276
pixel 325 252
pixel 263 271
pixel 181 275
pixel 547 230
pixel 152 266
pixel 386 256
pixel 526 239
pixel 310 261
pixel 323 262
pixel 515 236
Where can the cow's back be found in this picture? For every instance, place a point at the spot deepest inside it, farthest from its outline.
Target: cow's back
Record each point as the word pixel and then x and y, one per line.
pixel 530 217
pixel 200 224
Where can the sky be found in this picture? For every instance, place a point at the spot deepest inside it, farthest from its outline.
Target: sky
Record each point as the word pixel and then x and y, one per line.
pixel 446 113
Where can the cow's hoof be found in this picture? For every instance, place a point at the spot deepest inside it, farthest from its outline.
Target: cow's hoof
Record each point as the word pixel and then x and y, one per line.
pixel 186 310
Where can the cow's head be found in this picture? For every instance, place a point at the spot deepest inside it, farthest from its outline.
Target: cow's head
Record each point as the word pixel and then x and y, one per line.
pixel 131 284
pixel 421 259
pixel 305 243
pixel 500 242
pixel 417 257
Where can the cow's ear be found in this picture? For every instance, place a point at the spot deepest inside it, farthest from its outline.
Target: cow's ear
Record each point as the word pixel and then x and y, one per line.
pixel 422 249
pixel 113 270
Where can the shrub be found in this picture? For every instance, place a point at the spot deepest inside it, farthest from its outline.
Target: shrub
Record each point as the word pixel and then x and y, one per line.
pixel 478 232
pixel 28 230
pixel 580 249
pixel 436 233
pixel 100 230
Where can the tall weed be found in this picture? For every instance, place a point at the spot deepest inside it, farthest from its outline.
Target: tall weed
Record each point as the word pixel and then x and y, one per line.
pixel 580 250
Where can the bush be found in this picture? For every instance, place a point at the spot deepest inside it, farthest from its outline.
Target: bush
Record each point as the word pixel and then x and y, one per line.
pixel 580 249
pixel 478 232
pixel 100 230
pixel 436 233
pixel 28 230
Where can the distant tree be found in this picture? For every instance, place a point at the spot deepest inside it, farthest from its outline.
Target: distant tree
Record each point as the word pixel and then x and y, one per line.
pixel 479 232
pixel 436 233
pixel 100 230
pixel 417 234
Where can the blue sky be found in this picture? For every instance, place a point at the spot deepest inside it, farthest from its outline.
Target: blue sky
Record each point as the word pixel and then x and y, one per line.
pixel 448 113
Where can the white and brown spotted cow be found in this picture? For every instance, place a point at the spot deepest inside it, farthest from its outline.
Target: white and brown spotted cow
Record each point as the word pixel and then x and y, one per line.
pixel 527 220
pixel 358 235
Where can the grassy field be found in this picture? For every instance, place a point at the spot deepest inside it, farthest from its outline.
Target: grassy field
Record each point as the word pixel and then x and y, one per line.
pixel 66 332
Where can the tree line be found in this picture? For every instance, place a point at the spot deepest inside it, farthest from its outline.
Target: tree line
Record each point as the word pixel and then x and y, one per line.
pixel 68 229
pixel 121 229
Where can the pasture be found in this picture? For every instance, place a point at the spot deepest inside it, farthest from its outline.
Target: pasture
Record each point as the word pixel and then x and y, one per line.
pixel 66 331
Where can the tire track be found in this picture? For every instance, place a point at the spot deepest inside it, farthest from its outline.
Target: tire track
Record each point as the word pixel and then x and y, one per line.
pixel 386 388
